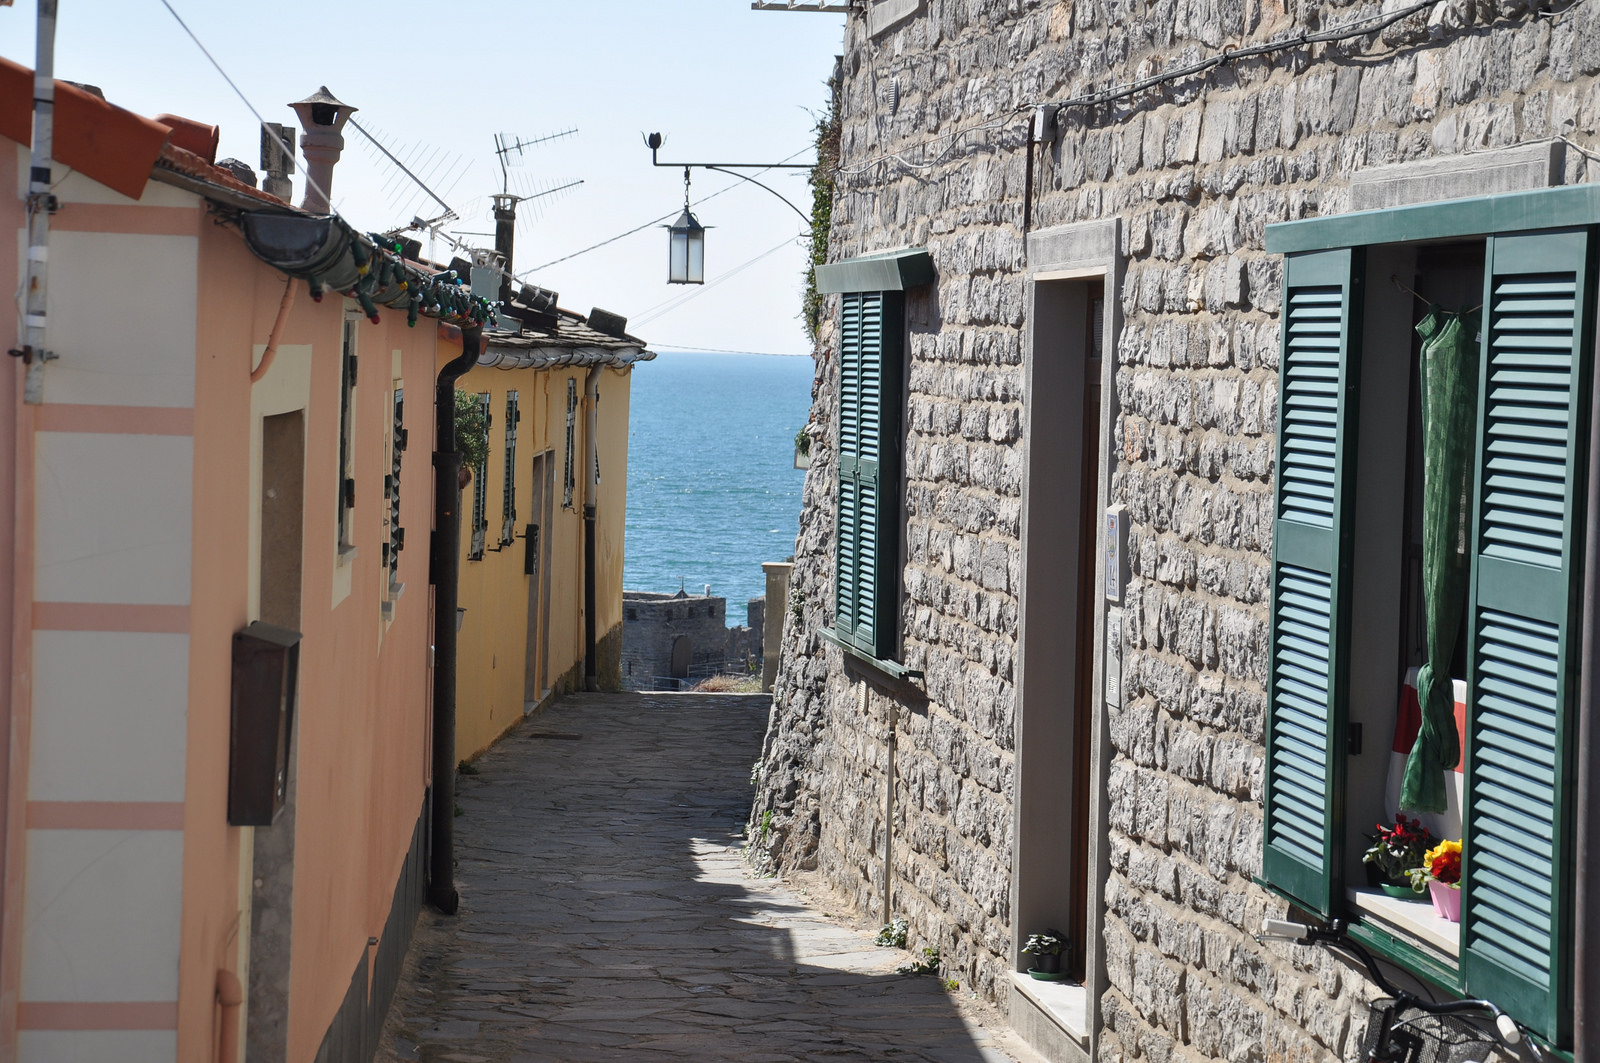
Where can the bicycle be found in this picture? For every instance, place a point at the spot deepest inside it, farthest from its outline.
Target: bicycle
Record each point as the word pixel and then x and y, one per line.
pixel 1434 1035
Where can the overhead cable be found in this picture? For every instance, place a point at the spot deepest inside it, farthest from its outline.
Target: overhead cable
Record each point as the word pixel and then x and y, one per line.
pixel 646 225
pixel 665 308
pixel 283 145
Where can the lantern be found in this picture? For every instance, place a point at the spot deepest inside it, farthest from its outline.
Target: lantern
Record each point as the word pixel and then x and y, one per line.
pixel 686 261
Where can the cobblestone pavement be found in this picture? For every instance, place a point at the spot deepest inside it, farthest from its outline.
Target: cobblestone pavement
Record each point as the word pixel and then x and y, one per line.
pixel 606 913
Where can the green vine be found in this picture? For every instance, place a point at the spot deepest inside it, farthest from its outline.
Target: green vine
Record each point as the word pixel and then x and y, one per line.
pixel 472 431
pixel 822 180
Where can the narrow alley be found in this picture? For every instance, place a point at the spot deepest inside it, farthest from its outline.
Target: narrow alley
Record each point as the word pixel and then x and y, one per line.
pixel 606 912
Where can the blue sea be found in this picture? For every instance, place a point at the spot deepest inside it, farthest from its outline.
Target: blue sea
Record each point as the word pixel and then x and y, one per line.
pixel 712 487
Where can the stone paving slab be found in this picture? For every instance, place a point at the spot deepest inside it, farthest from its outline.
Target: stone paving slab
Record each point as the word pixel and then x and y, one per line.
pixel 606 912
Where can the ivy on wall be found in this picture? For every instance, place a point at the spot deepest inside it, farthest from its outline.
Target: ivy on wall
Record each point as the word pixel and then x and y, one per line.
pixel 822 180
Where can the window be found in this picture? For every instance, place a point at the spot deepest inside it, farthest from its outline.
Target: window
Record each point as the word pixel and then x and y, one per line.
pixel 480 488
pixel 866 569
pixel 569 477
pixel 1529 455
pixel 867 539
pixel 347 403
pixel 394 534
pixel 508 490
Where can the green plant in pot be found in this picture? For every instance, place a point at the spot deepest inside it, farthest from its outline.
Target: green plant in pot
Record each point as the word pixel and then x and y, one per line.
pixel 1046 949
pixel 1394 852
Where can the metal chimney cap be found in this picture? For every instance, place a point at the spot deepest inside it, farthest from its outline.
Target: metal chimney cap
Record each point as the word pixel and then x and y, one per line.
pixel 322 95
pixel 323 111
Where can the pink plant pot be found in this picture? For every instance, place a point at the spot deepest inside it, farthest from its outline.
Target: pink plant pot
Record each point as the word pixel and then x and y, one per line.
pixel 1446 901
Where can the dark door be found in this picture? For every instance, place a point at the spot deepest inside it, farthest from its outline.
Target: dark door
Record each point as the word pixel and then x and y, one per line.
pixel 1088 605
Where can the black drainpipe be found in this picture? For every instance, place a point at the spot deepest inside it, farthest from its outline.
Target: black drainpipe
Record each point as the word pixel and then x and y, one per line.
pixel 445 567
pixel 591 677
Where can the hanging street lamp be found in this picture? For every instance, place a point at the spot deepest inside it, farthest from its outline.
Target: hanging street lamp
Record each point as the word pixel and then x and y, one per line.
pixel 686 259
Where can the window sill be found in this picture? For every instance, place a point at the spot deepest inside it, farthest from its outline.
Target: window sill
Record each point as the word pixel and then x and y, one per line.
pixel 892 669
pixel 345 555
pixel 1415 920
pixel 1066 1005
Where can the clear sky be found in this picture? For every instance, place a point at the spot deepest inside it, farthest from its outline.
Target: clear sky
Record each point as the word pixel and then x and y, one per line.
pixel 437 81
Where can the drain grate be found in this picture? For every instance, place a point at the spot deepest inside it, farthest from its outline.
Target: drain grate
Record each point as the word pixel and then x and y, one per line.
pixel 557 736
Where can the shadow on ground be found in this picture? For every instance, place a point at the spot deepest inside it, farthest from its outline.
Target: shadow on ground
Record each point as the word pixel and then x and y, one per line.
pixel 606 913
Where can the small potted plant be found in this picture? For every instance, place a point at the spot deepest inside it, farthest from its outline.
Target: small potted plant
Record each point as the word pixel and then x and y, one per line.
pixel 1395 852
pixel 1046 950
pixel 1440 873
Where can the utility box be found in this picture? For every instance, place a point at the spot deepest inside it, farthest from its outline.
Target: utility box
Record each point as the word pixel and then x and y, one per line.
pixel 266 663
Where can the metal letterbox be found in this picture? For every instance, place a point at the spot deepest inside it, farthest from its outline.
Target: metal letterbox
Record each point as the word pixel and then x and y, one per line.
pixel 266 661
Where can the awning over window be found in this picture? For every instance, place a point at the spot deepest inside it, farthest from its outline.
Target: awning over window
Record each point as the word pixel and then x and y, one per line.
pixel 886 271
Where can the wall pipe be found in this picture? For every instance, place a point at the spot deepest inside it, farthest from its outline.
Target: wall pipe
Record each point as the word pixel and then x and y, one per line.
pixel 271 351
pixel 41 204
pixel 1586 964
pixel 230 995
pixel 591 664
pixel 445 574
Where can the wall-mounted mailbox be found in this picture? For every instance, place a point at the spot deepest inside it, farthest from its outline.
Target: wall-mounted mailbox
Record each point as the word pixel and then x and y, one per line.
pixel 266 662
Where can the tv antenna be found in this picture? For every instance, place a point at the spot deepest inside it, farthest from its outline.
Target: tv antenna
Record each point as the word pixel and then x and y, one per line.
pixel 505 146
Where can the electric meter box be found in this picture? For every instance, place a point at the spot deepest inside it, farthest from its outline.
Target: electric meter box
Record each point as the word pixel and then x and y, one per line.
pixel 1116 552
pixel 266 664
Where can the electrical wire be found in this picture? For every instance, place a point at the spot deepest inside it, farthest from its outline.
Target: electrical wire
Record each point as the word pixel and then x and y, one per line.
pixel 726 350
pixel 646 225
pixel 283 146
pixel 1357 27
pixel 664 308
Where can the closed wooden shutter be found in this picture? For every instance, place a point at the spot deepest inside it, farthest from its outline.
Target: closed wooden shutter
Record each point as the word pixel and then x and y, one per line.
pixel 1319 375
pixel 1532 440
pixel 866 576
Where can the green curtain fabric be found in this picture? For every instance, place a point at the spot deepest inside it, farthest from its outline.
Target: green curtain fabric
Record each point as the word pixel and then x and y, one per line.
pixel 1449 377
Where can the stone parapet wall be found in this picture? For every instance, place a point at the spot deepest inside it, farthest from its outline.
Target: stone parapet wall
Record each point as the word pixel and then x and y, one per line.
pixel 933 153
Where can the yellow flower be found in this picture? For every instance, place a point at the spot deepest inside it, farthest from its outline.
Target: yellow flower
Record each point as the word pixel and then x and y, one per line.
pixel 1442 864
pixel 1442 848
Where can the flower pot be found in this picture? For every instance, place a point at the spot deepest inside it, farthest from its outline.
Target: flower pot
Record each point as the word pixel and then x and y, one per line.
pixel 1400 891
pixel 1446 901
pixel 1047 962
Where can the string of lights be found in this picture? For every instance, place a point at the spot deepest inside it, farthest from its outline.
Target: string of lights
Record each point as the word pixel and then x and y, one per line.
pixel 382 275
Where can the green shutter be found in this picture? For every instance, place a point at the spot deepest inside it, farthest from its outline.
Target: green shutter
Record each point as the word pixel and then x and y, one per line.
pixel 1318 377
pixel 866 577
pixel 1517 904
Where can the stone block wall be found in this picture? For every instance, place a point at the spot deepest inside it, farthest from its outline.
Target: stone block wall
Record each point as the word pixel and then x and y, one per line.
pixel 935 118
pixel 653 622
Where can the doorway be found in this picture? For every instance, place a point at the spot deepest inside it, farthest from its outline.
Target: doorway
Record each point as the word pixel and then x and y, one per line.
pixel 1063 610
pixel 283 464
pixel 1088 606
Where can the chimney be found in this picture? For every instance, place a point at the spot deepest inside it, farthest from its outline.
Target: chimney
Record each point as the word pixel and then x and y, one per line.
pixel 277 160
pixel 505 235
pixel 323 118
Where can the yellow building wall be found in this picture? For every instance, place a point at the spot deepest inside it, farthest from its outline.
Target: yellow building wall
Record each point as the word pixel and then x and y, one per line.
pixel 493 653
